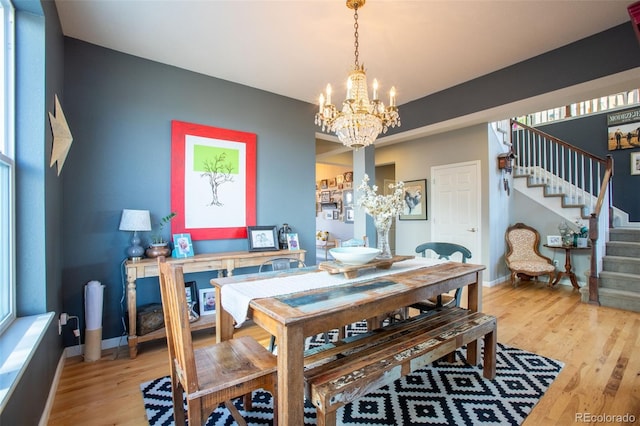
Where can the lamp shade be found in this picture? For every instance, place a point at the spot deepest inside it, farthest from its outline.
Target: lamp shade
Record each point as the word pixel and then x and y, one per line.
pixel 135 220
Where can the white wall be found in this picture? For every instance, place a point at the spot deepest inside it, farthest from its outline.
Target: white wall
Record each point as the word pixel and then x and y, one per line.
pixel 414 159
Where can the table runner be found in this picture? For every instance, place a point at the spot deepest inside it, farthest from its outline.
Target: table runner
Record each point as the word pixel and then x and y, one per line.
pixel 236 297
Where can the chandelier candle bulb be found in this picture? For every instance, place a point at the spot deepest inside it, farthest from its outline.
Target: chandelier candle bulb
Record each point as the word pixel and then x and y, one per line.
pixel 375 89
pixel 328 94
pixel 321 101
pixel 392 97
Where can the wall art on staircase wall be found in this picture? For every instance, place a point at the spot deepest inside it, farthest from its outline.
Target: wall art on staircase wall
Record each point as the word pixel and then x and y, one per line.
pixel 624 129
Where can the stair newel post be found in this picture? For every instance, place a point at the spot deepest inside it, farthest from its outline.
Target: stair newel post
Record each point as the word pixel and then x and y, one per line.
pixel 593 274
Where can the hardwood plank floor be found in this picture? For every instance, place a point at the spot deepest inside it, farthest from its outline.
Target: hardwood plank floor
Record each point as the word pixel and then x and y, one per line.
pixel 601 374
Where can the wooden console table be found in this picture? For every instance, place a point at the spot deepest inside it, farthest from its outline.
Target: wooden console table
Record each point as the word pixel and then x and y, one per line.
pixel 221 262
pixel 568 268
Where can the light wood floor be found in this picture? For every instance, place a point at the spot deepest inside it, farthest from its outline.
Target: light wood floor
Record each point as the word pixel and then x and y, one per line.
pixel 601 374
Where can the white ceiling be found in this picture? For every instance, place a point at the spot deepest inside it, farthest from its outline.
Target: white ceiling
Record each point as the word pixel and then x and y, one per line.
pixel 294 48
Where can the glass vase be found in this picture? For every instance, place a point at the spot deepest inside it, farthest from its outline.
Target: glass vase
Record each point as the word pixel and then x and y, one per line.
pixel 382 234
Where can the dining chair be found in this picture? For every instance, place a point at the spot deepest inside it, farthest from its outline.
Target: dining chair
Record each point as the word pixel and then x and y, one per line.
pixel 523 257
pixel 282 264
pixel 444 251
pixel 207 376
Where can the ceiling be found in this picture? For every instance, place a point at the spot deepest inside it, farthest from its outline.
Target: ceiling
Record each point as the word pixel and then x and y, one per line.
pixel 294 48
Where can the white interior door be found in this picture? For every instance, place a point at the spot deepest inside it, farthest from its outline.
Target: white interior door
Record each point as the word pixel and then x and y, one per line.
pixel 456 206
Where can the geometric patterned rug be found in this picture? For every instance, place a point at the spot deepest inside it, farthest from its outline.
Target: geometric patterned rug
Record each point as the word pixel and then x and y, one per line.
pixel 439 394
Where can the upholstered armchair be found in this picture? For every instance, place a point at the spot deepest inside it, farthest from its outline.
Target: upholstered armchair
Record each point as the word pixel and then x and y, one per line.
pixel 523 257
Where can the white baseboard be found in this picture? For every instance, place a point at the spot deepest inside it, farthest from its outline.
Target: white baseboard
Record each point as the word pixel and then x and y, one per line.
pixel 114 342
pixel 44 420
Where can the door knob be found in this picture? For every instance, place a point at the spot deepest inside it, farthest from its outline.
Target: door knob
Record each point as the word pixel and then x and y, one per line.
pixel 472 230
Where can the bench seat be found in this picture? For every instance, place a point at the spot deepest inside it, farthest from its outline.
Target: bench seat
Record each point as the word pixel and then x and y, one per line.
pixel 341 372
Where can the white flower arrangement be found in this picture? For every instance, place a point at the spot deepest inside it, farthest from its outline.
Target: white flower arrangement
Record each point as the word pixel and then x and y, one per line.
pixel 383 208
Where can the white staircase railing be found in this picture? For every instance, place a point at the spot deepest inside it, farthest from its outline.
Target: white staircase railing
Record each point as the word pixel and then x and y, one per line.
pixel 583 178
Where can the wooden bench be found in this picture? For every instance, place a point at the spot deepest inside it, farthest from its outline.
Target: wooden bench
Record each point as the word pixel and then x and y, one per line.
pixel 341 372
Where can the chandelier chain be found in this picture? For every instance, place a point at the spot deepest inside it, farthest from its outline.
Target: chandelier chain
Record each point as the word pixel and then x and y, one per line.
pixel 356 44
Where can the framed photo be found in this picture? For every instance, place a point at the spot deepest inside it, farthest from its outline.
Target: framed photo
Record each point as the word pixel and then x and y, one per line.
pixel 263 238
pixel 348 215
pixel 182 245
pixel 332 183
pixel 339 180
pixel 415 200
pixel 325 197
pixel 190 290
pixel 347 197
pixel 336 214
pixel 554 240
pixel 623 129
pixel 347 185
pixel 207 301
pixel 292 239
pixel 635 163
pixel 348 176
pixel 324 184
pixel 213 181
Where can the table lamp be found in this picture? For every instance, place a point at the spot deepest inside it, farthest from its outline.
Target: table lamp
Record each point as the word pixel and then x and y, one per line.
pixel 135 220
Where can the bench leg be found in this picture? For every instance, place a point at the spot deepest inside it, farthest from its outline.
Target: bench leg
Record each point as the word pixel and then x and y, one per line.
pixel 490 343
pixel 325 419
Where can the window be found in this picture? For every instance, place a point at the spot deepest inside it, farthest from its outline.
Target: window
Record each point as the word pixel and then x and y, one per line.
pixel 7 234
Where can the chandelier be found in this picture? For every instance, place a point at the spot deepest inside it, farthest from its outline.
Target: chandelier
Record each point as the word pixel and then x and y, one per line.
pixel 360 121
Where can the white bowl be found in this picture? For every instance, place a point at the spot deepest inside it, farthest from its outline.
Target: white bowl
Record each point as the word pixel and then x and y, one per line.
pixel 354 255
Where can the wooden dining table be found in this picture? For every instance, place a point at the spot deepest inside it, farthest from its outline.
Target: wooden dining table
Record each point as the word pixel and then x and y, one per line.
pixel 294 316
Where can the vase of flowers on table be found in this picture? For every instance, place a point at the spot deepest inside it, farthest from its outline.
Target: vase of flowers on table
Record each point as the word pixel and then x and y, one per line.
pixel 383 209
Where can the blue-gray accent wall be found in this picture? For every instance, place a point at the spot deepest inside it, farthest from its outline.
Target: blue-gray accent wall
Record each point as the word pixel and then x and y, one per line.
pixel 120 108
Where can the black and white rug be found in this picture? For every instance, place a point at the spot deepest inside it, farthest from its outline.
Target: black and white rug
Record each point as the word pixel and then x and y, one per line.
pixel 440 394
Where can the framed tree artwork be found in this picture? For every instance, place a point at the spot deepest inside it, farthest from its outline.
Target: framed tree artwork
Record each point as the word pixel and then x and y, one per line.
pixel 213 181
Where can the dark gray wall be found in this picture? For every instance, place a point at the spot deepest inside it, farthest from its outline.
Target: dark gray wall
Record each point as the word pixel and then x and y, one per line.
pixel 591 134
pixel 39 75
pixel 606 53
pixel 120 109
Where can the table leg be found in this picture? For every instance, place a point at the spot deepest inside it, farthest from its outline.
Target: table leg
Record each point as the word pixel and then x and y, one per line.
pixel 224 321
pixel 131 306
pixel 474 304
pixel 290 376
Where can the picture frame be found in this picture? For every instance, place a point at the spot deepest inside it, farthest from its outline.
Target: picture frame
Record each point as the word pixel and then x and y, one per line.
pixel 263 238
pixel 635 163
pixel 336 214
pixel 190 291
pixel 292 240
pixel 349 215
pixel 332 183
pixel 623 129
pixel 324 184
pixel 347 185
pixel 415 200
pixel 207 301
pixel 339 180
pixel 197 153
pixel 325 196
pixel 348 176
pixel 347 197
pixel 554 240
pixel 182 246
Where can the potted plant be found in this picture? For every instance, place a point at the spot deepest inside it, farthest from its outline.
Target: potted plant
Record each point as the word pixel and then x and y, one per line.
pixel 158 246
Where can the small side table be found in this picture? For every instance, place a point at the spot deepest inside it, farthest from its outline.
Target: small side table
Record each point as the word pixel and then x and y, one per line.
pixel 568 269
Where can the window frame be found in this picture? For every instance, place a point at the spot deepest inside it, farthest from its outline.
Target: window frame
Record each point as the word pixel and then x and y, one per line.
pixel 7 169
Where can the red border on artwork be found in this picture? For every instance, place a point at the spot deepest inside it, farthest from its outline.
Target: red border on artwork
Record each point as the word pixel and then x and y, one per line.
pixel 179 131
